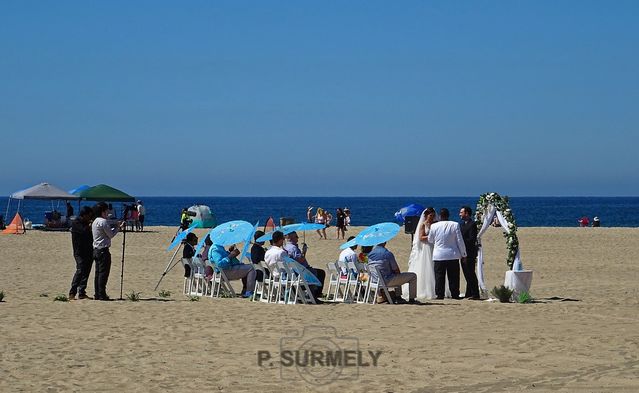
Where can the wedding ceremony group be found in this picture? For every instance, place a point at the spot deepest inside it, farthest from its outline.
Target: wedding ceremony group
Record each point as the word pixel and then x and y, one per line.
pixel 365 271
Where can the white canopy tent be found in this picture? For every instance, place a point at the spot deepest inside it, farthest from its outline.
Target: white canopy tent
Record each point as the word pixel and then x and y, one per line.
pixel 42 191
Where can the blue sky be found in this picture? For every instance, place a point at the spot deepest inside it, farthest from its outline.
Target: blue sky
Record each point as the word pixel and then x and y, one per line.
pixel 424 98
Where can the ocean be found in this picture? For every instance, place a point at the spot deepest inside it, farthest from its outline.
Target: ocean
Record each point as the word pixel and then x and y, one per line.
pixel 528 211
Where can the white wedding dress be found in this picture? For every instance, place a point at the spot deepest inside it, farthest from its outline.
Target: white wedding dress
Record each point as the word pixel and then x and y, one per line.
pixel 421 263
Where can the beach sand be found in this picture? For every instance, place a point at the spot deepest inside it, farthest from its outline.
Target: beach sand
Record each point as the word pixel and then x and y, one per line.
pixel 589 345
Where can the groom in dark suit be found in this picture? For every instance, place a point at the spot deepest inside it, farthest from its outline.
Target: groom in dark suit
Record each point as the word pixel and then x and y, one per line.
pixel 469 233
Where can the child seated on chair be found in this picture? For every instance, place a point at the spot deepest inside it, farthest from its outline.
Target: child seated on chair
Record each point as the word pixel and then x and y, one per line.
pixel 188 252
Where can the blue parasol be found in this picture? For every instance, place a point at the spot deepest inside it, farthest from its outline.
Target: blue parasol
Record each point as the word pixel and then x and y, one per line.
pixel 413 209
pixel 180 236
pixel 79 189
pixel 374 234
pixel 247 243
pixel 348 244
pixel 308 276
pixel 231 232
pixel 200 244
pixel 286 229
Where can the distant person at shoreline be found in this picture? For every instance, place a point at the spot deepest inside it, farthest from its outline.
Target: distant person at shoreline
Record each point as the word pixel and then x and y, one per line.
pixel 340 228
pixel 320 218
pixel 141 214
pixel 583 222
pixel 595 222
pixel 347 220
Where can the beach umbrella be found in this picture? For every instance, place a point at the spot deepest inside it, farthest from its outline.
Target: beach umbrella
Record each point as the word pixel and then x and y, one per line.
pixel 180 236
pixel 413 209
pixel 247 242
pixel 231 232
pixel 374 234
pixel 309 277
pixel 286 229
pixel 79 189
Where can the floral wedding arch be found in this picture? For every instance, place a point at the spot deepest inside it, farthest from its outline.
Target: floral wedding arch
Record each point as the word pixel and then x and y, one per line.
pixel 489 206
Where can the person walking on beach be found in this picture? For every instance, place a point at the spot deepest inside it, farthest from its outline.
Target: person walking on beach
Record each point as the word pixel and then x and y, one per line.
pixel 141 214
pixel 448 249
pixel 82 241
pixel 102 232
pixel 341 223
pixel 469 233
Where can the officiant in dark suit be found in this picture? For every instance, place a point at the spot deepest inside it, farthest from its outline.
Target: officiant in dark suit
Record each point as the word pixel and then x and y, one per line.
pixel 469 233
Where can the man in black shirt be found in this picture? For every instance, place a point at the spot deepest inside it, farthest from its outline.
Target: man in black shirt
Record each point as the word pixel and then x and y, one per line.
pixel 469 233
pixel 82 241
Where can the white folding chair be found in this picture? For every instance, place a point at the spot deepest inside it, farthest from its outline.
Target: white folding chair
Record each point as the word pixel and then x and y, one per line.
pixel 187 280
pixel 299 286
pixel 376 282
pixel 285 282
pixel 353 283
pixel 198 282
pixel 259 286
pixel 219 282
pixel 270 283
pixel 363 282
pixel 342 281
pixel 333 277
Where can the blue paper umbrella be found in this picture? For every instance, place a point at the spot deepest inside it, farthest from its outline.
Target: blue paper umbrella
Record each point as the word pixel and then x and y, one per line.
pixel 376 234
pixel 267 235
pixel 308 276
pixel 200 244
pixel 247 243
pixel 305 226
pixel 413 209
pixel 348 244
pixel 231 232
pixel 180 236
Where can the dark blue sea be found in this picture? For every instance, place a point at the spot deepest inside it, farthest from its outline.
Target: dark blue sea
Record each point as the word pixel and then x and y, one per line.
pixel 528 211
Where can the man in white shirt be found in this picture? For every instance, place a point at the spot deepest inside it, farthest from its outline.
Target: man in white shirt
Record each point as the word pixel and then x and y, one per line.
pixel 102 232
pixel 348 255
pixel 276 253
pixel 448 249
pixel 141 214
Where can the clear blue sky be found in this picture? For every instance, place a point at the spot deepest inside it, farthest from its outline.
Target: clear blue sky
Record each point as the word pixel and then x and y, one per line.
pixel 325 98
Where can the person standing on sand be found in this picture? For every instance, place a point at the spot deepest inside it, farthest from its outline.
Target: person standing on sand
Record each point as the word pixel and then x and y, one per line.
pixel 82 241
pixel 141 214
pixel 448 249
pixel 469 233
pixel 102 232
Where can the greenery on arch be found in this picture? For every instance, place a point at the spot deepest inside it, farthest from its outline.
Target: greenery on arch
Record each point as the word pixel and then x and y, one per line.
pixel 501 204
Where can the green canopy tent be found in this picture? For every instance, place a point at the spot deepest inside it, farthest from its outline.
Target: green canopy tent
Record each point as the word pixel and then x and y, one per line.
pixel 104 193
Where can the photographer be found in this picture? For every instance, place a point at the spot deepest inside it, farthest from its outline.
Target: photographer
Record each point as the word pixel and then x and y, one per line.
pixel 103 231
pixel 233 268
pixel 185 219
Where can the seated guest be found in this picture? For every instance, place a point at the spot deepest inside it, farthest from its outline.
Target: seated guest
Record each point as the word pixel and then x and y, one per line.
pixel 276 253
pixel 188 252
pixel 233 269
pixel 385 262
pixel 300 256
pixel 257 254
pixel 348 255
pixel 204 254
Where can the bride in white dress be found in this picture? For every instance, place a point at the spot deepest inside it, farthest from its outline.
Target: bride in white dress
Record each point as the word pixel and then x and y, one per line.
pixel 420 261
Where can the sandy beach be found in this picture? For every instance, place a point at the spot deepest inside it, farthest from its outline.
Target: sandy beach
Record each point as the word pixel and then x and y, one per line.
pixel 587 345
